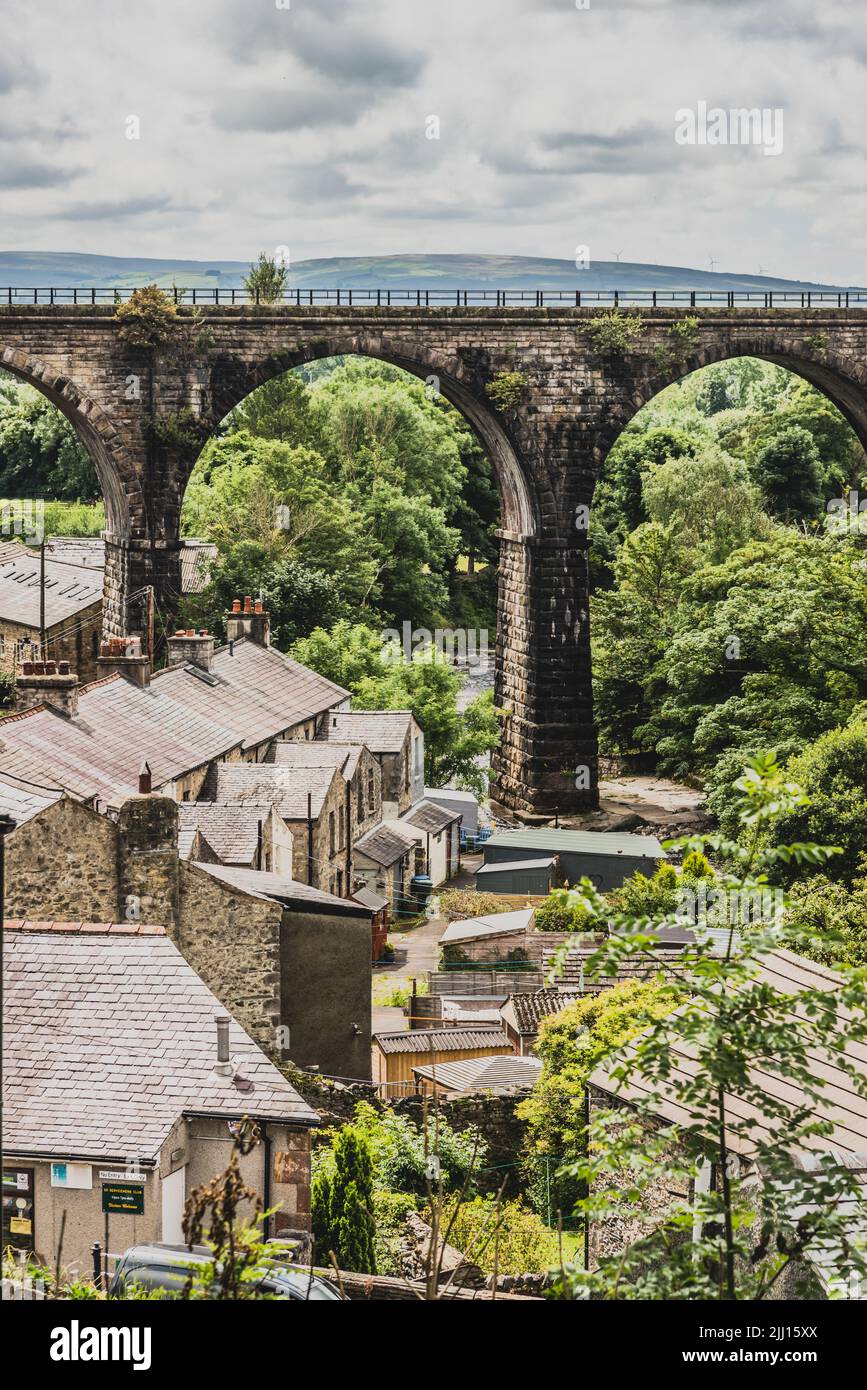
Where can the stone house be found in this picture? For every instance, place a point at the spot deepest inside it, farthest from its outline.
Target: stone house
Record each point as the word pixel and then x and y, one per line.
pixel 296 959
pixel 73 612
pixel 311 804
pixel 209 706
pixel 385 862
pixel 121 1090
pixel 438 836
pixel 247 835
pixel 362 777
pixel 395 740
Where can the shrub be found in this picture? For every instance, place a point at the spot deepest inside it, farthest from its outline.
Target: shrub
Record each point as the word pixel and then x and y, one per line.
pixel 836 917
pixel 148 319
pixel 456 904
pixel 399 1155
pixel 390 1210
pixel 512 1238
pixel 648 897
pixel 505 389
pixel 342 1204
pixel 557 915
pixel 266 280
pixel 613 333
pixel 835 770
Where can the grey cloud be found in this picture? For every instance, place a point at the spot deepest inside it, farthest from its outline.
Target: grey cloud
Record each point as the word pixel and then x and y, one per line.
pixel 283 111
pixel 117 209
pixel 34 173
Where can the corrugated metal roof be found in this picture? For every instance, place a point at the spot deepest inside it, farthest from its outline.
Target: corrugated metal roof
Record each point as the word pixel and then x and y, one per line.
pixel 197 558
pixel 578 842
pixel 109 1037
pixel 847 1108
pixel 504 866
pixel 69 590
pixel 384 731
pixel 484 1074
pixel 441 1040
pixel 178 723
pixel 368 899
pixel 526 1011
pixel 497 924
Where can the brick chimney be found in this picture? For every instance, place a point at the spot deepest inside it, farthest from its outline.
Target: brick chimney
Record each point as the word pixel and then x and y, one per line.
pixel 191 648
pixel 47 683
pixel 124 656
pixel 251 622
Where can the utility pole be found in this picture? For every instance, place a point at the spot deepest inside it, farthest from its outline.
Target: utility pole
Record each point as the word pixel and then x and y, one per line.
pixel 149 601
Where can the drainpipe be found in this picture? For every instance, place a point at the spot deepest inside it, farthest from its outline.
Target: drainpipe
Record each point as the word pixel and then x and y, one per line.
pixel 266 1182
pixel 259 846
pixel 310 838
pixel 348 830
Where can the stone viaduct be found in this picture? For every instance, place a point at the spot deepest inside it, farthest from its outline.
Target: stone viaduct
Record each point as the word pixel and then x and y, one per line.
pixel 144 417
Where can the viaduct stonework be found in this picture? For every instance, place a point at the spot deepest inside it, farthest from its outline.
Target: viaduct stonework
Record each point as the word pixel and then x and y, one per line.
pixel 144 417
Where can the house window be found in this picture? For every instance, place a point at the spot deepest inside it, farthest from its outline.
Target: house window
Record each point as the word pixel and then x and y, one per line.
pixel 371 790
pixel 340 832
pixel 331 832
pixel 360 800
pixel 339 883
pixel 406 769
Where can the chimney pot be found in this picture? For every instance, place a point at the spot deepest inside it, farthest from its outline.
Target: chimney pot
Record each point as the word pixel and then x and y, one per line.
pixel 63 668
pixel 248 604
pixel 27 668
pixel 144 779
pixel 236 605
pixel 258 606
pixel 222 1022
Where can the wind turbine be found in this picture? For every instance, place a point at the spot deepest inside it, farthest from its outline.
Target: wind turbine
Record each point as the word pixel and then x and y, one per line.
pixel 617 255
pixel 713 262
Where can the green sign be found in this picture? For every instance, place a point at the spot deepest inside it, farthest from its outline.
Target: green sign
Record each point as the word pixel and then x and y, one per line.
pixel 125 1197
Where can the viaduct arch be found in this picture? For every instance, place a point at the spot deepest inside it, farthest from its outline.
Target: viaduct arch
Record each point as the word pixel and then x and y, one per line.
pixel 144 418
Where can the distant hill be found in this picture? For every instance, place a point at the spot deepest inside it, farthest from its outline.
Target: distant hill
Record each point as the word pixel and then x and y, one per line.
pixel 65 270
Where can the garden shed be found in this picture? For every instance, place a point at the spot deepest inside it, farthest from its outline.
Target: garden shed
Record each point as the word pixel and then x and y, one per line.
pixel 524 875
pixel 607 858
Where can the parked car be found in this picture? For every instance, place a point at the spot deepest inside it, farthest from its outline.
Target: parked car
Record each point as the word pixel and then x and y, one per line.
pixel 167 1267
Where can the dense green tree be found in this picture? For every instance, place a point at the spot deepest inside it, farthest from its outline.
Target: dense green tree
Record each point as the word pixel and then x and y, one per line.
pixel 342 1204
pixel 379 676
pixel 710 499
pixel 834 767
pixel 788 470
pixel 40 455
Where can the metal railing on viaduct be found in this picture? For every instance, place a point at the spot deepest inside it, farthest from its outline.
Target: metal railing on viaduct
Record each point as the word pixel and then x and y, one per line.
pixel 457 298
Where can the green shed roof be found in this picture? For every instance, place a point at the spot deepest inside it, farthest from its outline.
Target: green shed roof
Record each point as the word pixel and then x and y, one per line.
pixel 614 843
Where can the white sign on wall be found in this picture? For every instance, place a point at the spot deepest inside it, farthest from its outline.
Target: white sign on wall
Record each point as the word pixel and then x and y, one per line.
pixel 78 1175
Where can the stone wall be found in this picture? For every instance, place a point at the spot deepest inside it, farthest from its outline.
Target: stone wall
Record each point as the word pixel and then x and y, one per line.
pixel 62 866
pixel 546 452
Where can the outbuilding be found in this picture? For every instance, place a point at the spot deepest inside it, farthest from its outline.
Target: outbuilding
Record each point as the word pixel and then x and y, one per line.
pixel 607 858
pixel 536 876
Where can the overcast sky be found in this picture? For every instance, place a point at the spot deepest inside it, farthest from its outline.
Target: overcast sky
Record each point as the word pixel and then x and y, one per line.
pixel 306 126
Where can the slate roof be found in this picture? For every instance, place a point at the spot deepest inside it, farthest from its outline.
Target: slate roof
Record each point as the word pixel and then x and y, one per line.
pixel 847 1109
pixel 22 800
pixel 441 1040
pixel 285 890
pixel 384 731
pixel 295 753
pixel 109 1037
pixel 69 589
pixel 496 924
pixel 231 830
pixel 427 816
pixel 182 721
pixel 373 901
pixel 577 842
pixel 286 788
pixel 386 843
pixel 526 1011
pixel 88 552
pixel 484 1074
